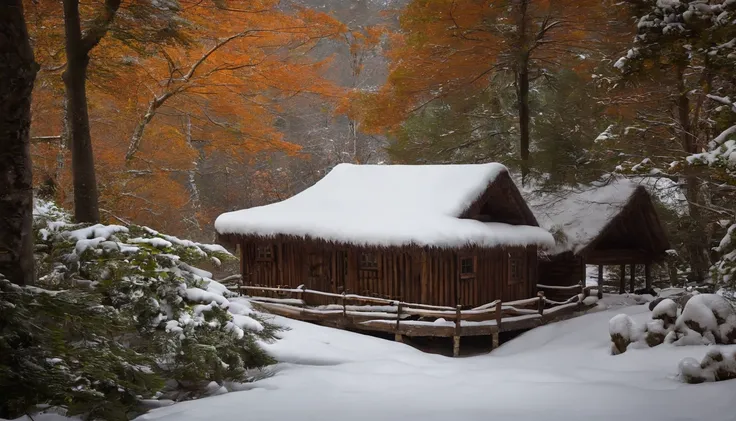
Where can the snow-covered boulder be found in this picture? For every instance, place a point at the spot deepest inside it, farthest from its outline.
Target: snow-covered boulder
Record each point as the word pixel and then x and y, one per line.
pixel 623 332
pixel 716 366
pixel 711 316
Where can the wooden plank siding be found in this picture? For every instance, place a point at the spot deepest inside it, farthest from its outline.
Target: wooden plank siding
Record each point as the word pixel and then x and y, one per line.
pixel 411 275
pixel 562 270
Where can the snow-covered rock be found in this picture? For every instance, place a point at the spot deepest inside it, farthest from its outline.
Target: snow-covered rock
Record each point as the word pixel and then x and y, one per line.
pixel 716 366
pixel 711 316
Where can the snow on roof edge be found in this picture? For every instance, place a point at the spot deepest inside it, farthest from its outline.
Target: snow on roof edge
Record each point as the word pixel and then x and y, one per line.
pixel 396 205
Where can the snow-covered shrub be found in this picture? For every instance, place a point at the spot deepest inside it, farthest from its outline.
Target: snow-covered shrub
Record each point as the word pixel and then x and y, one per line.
pixel 716 366
pixel 125 312
pixel 663 320
pixel 709 315
pixel 623 332
pixel 64 348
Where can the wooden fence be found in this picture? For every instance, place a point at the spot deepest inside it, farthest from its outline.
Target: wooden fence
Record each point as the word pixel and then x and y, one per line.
pixel 414 319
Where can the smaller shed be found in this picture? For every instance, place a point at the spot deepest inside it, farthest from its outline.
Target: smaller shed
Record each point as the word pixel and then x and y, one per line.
pixel 614 223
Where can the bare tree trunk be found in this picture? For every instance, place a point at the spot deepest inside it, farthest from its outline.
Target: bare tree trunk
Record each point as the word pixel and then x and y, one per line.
pixel 522 75
pixel 696 245
pixel 86 208
pixel 17 74
pixel 78 46
pixel 524 117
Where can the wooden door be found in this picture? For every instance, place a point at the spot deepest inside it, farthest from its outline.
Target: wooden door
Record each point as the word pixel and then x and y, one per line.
pixel 318 271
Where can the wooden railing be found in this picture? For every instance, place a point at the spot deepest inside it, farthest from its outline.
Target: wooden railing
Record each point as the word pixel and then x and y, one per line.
pixel 414 319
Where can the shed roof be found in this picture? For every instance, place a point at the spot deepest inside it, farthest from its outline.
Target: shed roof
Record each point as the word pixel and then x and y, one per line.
pixel 582 218
pixel 396 205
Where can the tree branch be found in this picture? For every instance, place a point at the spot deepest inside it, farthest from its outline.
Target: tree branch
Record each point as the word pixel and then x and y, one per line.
pixel 100 25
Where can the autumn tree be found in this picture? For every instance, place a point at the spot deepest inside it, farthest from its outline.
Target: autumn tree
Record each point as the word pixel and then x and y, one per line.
pixel 164 98
pixel 17 73
pixel 454 48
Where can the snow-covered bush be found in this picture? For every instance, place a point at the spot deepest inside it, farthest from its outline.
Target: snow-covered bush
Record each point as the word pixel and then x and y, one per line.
pixel 623 332
pixel 706 319
pixel 120 314
pixel 663 320
pixel 716 366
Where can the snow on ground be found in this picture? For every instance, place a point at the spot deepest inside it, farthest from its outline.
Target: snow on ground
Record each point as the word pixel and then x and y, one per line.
pixel 560 371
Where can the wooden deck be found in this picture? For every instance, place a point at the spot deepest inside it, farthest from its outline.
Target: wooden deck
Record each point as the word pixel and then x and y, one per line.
pixel 400 318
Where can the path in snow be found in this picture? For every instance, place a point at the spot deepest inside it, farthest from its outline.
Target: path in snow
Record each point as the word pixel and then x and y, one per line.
pixel 561 371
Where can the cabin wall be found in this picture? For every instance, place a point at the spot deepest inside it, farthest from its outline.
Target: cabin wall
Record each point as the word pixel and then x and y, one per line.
pixel 562 270
pixel 429 277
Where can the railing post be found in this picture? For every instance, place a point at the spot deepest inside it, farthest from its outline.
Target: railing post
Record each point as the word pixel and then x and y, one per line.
pixel 344 308
pixel 397 334
pixel 302 294
pixel 456 338
pixel 499 318
pixel 540 294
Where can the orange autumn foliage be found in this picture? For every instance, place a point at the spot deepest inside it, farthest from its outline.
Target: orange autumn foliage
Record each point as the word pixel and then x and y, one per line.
pixel 454 47
pixel 222 73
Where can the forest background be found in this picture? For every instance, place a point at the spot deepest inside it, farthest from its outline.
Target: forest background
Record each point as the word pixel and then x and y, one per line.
pixel 200 107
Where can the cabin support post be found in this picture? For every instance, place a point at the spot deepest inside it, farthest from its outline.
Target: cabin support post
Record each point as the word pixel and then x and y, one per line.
pixel 632 280
pixel 456 338
pixel 241 246
pixel 425 277
pixel 622 283
pixel 600 281
pixel 648 276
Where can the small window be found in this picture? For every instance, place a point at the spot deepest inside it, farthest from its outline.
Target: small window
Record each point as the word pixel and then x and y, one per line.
pixel 368 261
pixel 467 267
pixel 264 253
pixel 516 267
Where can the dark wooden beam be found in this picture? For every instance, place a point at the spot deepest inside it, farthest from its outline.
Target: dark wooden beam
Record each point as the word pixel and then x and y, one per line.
pixel 600 281
pixel 622 283
pixel 620 257
pixel 648 276
pixel 632 281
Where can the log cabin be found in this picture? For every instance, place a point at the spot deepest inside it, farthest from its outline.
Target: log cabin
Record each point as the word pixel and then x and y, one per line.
pixel 606 224
pixel 433 234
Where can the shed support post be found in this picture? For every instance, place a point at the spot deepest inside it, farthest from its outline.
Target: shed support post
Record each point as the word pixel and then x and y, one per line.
pixel 648 276
pixel 632 280
pixel 600 281
pixel 495 339
pixel 241 247
pixel 622 283
pixel 456 338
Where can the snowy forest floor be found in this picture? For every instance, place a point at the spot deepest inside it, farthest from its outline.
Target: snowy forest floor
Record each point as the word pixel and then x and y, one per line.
pixel 560 371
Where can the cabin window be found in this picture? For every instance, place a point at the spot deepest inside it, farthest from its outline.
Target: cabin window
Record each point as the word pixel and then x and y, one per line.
pixel 264 253
pixel 467 267
pixel 516 267
pixel 368 261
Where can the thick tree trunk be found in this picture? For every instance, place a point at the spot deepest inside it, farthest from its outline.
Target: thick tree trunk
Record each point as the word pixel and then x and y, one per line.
pixel 86 208
pixel 17 74
pixel 696 245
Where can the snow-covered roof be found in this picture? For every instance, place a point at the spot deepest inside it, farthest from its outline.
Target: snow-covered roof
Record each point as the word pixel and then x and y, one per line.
pixel 580 214
pixel 388 205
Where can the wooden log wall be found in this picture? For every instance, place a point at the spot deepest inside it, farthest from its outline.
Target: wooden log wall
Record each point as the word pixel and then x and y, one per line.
pixel 563 270
pixel 429 277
